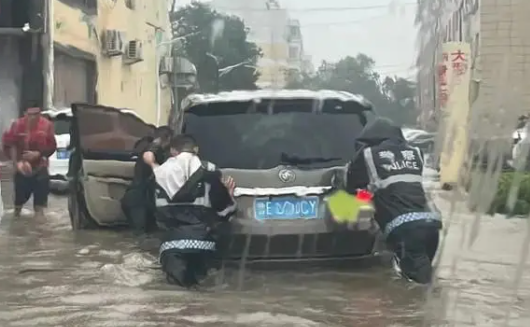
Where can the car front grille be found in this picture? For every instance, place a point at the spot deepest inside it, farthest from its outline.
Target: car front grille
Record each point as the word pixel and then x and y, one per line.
pixel 340 244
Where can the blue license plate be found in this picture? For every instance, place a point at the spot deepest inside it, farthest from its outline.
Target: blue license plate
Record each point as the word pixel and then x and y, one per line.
pixel 286 208
pixel 63 154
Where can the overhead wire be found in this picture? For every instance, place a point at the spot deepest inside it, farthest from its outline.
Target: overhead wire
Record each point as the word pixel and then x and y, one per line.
pixel 317 9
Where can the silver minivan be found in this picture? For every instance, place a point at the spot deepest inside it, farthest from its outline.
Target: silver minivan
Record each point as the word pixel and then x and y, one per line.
pixel 287 150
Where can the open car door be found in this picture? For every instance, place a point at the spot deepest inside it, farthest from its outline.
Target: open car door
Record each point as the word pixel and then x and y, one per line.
pixel 102 163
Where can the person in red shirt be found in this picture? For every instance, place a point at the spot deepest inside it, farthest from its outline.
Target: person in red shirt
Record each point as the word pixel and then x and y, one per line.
pixel 28 144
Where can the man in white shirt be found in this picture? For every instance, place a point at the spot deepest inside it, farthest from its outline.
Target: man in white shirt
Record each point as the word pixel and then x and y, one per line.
pixel 191 199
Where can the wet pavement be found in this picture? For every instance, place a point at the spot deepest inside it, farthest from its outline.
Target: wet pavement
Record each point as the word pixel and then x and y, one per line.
pixel 51 276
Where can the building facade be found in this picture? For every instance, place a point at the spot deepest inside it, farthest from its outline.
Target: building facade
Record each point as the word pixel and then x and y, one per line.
pixel 497 32
pixel 21 57
pixel 107 52
pixel 278 36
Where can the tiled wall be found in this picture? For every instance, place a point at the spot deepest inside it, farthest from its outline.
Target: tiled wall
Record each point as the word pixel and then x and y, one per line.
pixel 505 63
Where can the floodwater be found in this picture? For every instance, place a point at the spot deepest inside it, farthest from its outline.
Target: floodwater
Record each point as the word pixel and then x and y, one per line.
pixel 51 276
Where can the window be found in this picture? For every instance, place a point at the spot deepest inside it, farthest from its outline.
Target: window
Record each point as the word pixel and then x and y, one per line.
pixel 62 126
pixel 75 80
pixel 294 32
pixel 293 52
pixel 235 138
pixel 88 6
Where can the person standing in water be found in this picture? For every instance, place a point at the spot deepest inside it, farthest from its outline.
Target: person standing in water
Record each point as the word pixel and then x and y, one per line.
pixel 28 144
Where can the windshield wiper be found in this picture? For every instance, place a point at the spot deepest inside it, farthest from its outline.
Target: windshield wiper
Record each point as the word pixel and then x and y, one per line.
pixel 295 160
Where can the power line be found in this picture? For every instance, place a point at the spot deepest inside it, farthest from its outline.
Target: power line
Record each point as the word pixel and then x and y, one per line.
pixel 315 9
pixel 347 22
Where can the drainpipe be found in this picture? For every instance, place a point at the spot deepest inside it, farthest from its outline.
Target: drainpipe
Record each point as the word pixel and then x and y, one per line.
pixel 48 54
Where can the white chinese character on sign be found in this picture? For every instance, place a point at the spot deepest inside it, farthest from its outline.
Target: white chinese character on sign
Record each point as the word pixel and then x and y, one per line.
pixel 408 155
pixel 386 155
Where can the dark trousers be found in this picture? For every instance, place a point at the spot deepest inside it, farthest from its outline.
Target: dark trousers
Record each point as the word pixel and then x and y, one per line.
pixel 415 247
pixel 37 184
pixel 140 218
pixel 138 206
pixel 183 268
pixel 188 264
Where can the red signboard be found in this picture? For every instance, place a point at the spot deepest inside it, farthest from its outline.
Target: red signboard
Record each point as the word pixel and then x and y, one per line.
pixel 442 80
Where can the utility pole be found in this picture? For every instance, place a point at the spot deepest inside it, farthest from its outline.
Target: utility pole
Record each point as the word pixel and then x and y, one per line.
pixel 271 6
pixel 175 98
pixel 48 54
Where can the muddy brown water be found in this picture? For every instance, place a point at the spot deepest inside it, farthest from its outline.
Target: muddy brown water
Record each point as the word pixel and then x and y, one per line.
pixel 51 276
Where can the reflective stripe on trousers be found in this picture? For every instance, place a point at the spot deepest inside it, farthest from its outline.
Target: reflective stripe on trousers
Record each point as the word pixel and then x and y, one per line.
pixel 409 217
pixel 376 183
pixel 186 245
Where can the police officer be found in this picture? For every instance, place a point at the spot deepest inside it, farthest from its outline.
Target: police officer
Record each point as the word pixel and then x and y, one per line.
pixel 392 169
pixel 138 201
pixel 191 199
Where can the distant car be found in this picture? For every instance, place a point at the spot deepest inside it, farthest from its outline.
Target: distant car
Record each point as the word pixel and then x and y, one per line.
pixel 285 149
pixel 59 161
pixel 425 141
pixel 419 137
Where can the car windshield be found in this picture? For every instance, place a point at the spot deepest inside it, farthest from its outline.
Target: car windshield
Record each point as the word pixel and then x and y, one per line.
pixel 61 126
pixel 263 138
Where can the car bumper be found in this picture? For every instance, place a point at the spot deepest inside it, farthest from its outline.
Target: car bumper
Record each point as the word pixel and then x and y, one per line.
pixel 298 241
pixel 58 168
pixel 333 249
pixel 335 263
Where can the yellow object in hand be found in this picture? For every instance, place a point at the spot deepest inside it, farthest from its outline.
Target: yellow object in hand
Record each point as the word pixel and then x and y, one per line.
pixel 345 208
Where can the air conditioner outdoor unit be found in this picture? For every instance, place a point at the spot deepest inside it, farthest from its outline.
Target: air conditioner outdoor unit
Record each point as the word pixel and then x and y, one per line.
pixel 133 53
pixel 166 65
pixel 131 4
pixel 112 43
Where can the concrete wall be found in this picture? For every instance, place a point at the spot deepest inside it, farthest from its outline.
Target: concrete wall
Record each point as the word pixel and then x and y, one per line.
pixel 504 61
pixel 273 64
pixel 119 84
pixel 10 81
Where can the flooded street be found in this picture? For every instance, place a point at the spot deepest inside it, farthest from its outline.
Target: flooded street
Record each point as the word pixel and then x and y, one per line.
pixel 51 276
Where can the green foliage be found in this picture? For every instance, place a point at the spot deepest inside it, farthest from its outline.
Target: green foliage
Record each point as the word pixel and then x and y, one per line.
pixel 522 204
pixel 225 37
pixel 392 97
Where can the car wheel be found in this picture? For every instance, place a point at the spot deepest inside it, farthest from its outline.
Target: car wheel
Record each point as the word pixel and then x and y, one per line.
pixel 79 217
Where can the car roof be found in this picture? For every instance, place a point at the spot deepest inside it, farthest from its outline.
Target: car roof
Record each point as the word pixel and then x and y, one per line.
pixel 54 113
pixel 258 95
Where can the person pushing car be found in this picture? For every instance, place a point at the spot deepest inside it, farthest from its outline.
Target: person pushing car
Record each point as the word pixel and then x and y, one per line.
pixel 191 199
pixel 391 169
pixel 138 203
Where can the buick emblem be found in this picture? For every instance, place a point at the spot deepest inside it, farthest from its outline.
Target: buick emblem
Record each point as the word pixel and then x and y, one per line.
pixel 287 176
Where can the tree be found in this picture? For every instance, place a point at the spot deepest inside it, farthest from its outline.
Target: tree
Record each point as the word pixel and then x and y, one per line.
pixel 401 94
pixel 392 97
pixel 213 41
